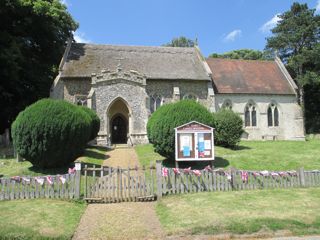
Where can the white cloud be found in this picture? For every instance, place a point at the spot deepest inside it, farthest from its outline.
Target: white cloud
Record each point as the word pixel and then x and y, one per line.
pixel 64 2
pixel 265 28
pixel 80 37
pixel 233 35
pixel 318 7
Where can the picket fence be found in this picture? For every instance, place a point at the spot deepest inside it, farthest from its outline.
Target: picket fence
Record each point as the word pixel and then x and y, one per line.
pixel 111 185
pixel 58 186
pixel 176 181
pixel 106 184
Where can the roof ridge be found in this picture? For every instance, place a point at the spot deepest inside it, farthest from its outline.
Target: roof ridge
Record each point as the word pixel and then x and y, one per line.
pixel 137 48
pixel 241 60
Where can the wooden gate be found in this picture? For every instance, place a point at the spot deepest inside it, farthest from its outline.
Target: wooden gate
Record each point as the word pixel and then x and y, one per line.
pixel 108 185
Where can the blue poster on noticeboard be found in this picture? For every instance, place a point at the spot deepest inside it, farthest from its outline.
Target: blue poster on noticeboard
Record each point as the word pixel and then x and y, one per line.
pixel 201 146
pixel 186 151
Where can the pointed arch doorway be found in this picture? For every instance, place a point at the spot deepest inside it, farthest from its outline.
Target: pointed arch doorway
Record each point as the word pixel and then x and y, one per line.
pixel 118 120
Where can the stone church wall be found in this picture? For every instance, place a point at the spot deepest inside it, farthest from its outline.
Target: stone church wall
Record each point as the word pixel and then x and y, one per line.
pixel 290 115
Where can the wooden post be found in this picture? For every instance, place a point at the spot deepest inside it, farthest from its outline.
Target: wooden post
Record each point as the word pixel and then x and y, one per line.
pixel 19 158
pixel 159 179
pixel 301 177
pixel 233 178
pixel 77 180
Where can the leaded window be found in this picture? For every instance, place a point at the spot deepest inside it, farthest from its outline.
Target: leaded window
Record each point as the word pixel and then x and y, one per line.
pixel 273 115
pixel 81 100
pixel 227 105
pixel 250 115
pixel 155 102
pixel 190 96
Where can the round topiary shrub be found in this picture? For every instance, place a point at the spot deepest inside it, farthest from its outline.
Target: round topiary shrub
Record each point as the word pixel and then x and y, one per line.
pixel 161 124
pixel 228 128
pixel 95 122
pixel 51 133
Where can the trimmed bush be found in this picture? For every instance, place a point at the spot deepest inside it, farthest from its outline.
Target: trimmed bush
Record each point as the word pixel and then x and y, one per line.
pixel 228 128
pixel 51 133
pixel 95 122
pixel 161 124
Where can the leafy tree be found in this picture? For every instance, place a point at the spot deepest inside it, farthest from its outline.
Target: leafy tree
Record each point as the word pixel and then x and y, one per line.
pixel 180 42
pixel 296 40
pixel 33 34
pixel 246 54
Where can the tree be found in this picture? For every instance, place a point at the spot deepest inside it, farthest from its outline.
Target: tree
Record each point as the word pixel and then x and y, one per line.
pixel 246 54
pixel 33 34
pixel 180 42
pixel 296 40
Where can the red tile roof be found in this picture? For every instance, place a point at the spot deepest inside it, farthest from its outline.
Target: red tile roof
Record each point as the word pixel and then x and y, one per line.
pixel 249 76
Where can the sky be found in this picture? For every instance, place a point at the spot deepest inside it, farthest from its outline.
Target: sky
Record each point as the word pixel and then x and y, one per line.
pixel 219 26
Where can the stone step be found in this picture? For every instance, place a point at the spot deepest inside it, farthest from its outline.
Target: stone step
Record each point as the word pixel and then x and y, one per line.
pixel 117 146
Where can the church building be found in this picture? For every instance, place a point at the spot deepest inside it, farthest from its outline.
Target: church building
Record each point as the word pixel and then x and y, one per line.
pixel 126 84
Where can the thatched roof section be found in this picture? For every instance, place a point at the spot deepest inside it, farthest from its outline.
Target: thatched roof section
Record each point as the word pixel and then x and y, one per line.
pixel 154 62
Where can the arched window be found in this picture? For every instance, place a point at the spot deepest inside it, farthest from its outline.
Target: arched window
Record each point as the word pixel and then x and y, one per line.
pixel 81 100
pixel 190 96
pixel 155 102
pixel 227 104
pixel 273 115
pixel 250 115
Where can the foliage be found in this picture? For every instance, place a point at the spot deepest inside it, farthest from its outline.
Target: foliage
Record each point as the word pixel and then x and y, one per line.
pixel 39 219
pixel 51 133
pixel 296 39
pixel 161 124
pixel 244 212
pixel 246 54
pixel 180 42
pixel 95 122
pixel 33 36
pixel 228 128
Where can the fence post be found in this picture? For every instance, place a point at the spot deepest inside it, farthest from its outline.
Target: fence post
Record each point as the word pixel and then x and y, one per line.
pixel 233 178
pixel 301 177
pixel 77 180
pixel 159 179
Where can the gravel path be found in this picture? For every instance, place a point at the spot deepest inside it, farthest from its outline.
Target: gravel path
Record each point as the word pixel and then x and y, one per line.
pixel 133 220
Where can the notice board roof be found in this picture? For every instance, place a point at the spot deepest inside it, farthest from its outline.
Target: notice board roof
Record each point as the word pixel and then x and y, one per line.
pixel 194 126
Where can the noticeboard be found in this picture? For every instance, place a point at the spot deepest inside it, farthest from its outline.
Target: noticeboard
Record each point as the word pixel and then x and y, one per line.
pixel 194 142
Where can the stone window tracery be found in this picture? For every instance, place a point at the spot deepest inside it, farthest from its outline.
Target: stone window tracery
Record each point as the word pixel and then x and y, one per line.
pixel 250 115
pixel 227 104
pixel 155 102
pixel 190 96
pixel 81 100
pixel 273 115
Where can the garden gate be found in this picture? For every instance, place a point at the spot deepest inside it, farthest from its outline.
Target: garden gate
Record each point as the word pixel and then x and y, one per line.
pixel 107 184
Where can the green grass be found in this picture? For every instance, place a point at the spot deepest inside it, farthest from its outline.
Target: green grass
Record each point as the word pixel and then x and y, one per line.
pixel 10 167
pixel 253 155
pixel 147 155
pixel 39 219
pixel 296 211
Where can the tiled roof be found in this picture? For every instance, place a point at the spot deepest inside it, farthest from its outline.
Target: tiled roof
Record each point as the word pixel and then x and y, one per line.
pixel 250 76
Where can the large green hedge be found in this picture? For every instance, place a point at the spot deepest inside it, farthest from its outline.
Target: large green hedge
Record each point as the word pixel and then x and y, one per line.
pixel 228 128
pixel 52 133
pixel 161 124
pixel 95 122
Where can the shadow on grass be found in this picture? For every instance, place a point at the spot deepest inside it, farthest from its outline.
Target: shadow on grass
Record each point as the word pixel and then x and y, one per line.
pixel 239 148
pixel 92 154
pixel 219 162
pixel 51 171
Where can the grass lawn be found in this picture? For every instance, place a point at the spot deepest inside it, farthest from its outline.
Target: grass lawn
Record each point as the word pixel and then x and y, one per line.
pixel 39 219
pixel 255 155
pixel 10 167
pixel 294 211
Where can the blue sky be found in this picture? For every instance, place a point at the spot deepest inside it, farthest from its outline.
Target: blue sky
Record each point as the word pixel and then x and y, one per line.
pixel 220 26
